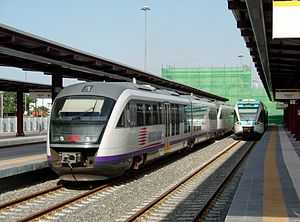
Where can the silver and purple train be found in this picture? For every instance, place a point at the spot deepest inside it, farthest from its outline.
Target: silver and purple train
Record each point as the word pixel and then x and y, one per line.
pixel 100 130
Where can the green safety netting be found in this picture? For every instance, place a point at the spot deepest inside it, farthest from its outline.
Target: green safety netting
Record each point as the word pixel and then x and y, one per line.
pixel 230 82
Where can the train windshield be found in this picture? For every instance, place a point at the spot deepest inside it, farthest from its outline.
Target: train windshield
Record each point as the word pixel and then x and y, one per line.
pixel 79 119
pixel 248 113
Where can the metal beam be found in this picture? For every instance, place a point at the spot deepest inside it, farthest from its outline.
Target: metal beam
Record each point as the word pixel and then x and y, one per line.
pixel 256 15
pixel 284 55
pixel 47 61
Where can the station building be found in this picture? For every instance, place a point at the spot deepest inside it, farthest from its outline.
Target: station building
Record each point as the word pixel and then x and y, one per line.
pixel 233 83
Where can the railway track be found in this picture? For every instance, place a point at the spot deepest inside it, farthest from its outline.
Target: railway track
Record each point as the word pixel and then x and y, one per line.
pixel 212 208
pixel 58 201
pixel 190 198
pixel 39 204
pixel 28 197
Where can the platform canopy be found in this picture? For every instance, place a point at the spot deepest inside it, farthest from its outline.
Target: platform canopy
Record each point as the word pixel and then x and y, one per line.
pixel 23 86
pixel 30 52
pixel 277 60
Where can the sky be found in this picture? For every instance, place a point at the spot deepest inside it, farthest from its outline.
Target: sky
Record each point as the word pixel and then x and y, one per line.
pixel 180 33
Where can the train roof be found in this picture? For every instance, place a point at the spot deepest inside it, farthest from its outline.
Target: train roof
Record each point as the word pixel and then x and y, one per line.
pixel 114 89
pixel 249 101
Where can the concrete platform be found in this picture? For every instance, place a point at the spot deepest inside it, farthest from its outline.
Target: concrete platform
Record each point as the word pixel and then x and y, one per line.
pixel 22 159
pixel 10 140
pixel 269 189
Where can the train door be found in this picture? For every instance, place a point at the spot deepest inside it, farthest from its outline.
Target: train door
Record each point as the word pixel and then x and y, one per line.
pixel 167 122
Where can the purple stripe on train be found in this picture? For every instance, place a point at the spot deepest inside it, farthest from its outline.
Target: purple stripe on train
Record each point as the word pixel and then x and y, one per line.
pixel 118 158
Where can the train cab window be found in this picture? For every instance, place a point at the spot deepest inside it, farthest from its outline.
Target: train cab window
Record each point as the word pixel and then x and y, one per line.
pixel 140 117
pixel 148 114
pixel 79 119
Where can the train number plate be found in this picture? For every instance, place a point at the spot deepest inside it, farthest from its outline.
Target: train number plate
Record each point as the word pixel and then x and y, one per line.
pixel 73 157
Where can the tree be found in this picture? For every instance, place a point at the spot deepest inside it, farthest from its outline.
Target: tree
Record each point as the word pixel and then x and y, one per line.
pixel 10 102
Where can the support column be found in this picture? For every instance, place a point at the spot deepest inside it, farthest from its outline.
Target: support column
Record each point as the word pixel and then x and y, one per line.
pixel 297 121
pixel 293 116
pixel 286 117
pixel 290 116
pixel 20 113
pixel 57 85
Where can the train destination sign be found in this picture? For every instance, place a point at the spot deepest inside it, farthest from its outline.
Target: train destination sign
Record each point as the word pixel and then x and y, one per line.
pixel 285 17
pixel 287 95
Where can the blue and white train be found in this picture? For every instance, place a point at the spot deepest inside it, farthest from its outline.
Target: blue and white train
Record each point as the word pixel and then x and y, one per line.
pixel 99 130
pixel 252 118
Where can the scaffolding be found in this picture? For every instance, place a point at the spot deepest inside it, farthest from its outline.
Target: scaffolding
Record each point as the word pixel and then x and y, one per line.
pixel 230 82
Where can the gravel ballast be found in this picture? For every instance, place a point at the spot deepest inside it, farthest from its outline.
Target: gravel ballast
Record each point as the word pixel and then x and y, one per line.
pixel 121 200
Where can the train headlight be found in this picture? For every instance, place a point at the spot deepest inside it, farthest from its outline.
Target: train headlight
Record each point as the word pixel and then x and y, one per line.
pixel 90 139
pixel 57 138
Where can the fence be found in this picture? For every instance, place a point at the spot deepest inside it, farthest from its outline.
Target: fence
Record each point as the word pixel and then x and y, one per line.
pixel 30 124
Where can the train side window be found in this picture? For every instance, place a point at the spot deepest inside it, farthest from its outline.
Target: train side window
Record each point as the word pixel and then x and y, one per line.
pixel 124 118
pixel 173 119
pixel 261 117
pixel 222 114
pixel 128 116
pixel 132 114
pixel 155 114
pixel 140 117
pixel 160 113
pixel 187 118
pixel 177 114
pixel 148 114
pixel 181 111
pixel 212 114
pixel 122 121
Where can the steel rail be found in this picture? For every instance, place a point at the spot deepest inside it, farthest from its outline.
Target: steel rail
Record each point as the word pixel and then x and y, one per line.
pixel 205 210
pixel 150 205
pixel 28 197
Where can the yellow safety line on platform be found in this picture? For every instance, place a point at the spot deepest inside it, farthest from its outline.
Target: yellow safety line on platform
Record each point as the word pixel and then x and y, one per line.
pixel 21 160
pixel 286 3
pixel 274 208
